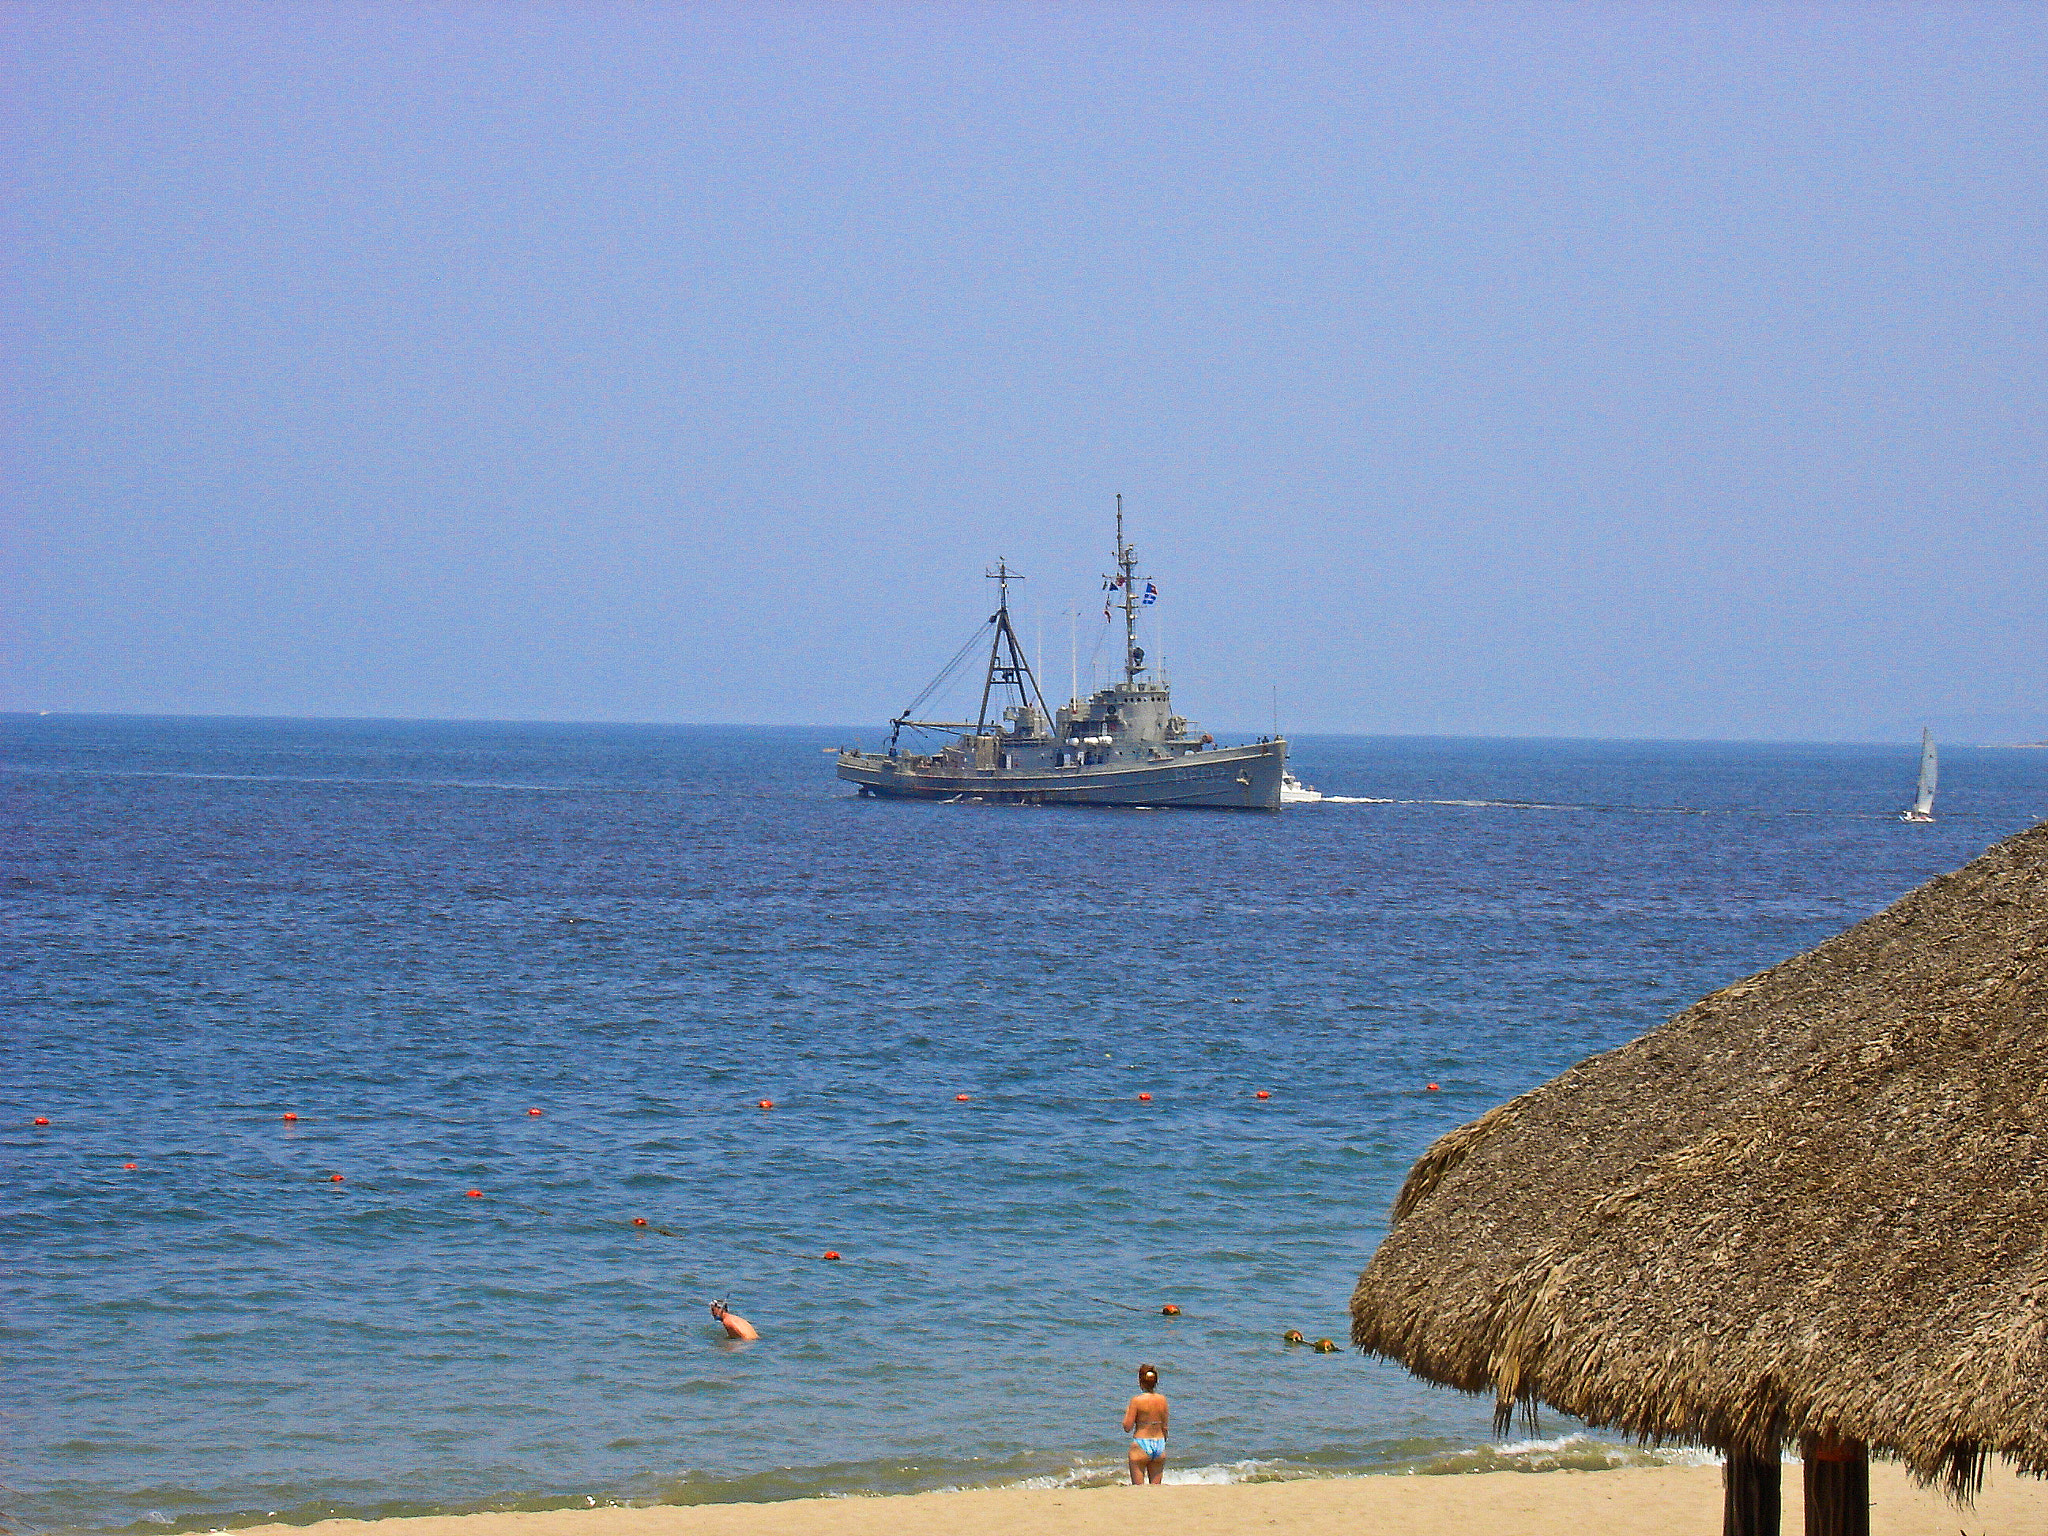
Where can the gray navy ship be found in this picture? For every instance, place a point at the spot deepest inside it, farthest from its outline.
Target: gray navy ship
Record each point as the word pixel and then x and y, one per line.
pixel 1122 745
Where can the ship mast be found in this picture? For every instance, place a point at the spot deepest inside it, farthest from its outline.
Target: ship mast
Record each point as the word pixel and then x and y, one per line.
pixel 1007 668
pixel 1015 672
pixel 1127 567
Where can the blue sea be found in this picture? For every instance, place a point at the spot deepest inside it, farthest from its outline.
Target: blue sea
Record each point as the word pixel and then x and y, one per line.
pixel 411 935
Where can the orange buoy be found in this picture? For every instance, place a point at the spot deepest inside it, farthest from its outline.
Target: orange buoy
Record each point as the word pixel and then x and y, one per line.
pixel 1263 1094
pixel 1144 1098
pixel 639 1221
pixel 831 1253
pixel 289 1115
pixel 1326 1346
pixel 42 1119
pixel 474 1194
pixel 959 1098
pixel 334 1178
pixel 767 1103
pixel 533 1111
pixel 129 1166
pixel 1169 1310
pixel 1430 1087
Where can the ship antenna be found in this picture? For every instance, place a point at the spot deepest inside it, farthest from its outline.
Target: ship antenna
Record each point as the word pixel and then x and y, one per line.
pixel 1127 564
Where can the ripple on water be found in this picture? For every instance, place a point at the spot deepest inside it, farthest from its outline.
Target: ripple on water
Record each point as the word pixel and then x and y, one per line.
pixel 212 939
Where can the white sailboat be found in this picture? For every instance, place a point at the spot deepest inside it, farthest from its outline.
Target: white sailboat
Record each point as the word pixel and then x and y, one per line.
pixel 1923 802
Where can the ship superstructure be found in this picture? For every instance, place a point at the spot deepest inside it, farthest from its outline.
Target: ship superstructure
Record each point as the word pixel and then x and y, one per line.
pixel 1121 745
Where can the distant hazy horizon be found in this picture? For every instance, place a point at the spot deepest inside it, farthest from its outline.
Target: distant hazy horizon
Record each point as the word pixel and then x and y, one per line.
pixel 1231 729
pixel 1656 372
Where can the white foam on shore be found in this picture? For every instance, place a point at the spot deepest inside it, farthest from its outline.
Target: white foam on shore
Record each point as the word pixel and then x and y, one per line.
pixel 1109 1473
pixel 1215 1475
pixel 1544 1455
pixel 1574 1452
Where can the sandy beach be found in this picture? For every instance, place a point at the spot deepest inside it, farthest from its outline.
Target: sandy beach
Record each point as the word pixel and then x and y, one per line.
pixel 1659 1501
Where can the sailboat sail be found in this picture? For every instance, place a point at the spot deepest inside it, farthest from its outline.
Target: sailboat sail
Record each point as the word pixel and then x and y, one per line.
pixel 1923 803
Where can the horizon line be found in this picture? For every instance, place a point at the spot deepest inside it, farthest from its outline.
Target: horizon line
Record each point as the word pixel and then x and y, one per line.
pixel 786 725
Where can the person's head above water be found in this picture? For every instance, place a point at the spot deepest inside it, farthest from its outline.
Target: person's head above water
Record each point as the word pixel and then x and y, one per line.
pixel 1148 1378
pixel 718 1309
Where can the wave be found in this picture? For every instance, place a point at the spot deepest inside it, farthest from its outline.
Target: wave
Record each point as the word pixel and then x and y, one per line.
pixel 853 1480
pixel 1565 1453
pixel 1594 809
pixel 1575 1452
pixel 296 778
pixel 1508 805
pixel 1513 805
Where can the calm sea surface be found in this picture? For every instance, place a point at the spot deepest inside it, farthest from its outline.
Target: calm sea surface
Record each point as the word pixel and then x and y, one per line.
pixel 409 935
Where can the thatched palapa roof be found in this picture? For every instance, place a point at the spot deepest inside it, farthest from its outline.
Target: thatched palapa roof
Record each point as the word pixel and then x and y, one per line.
pixel 1812 1203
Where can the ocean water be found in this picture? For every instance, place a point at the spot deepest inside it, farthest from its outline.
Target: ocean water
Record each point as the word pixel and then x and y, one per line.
pixel 409 935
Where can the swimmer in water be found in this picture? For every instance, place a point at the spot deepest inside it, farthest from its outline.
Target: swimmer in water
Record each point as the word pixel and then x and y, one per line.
pixel 1145 1423
pixel 736 1327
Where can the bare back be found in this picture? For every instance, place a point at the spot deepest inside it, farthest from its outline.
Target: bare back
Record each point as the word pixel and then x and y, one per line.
pixel 1146 1415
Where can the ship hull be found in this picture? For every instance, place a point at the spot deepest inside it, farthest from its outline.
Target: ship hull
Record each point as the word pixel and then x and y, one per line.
pixel 1224 779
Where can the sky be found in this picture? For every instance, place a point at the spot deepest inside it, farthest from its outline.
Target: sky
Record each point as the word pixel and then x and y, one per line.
pixel 1556 370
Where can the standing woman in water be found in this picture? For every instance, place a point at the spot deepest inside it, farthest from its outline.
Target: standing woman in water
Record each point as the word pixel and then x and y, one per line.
pixel 1145 1423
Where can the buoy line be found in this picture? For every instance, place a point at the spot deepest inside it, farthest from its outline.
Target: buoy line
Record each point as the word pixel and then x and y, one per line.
pixel 292 1117
pixel 373 1185
pixel 641 1223
pixel 334 1178
pixel 1170 1309
pixel 644 1224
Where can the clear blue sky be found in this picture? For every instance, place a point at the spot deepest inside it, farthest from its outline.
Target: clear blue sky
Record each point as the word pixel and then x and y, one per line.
pixel 1645 370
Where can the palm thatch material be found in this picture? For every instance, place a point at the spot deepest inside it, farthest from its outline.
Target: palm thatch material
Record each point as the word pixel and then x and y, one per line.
pixel 1811 1204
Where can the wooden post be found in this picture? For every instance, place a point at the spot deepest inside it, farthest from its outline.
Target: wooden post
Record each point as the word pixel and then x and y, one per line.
pixel 1749 1494
pixel 1837 1487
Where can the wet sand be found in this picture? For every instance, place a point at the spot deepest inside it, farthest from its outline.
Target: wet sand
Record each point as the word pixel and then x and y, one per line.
pixel 1658 1501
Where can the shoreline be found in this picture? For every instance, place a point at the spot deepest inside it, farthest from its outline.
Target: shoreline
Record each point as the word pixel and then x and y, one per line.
pixel 1576 1451
pixel 1627 1501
